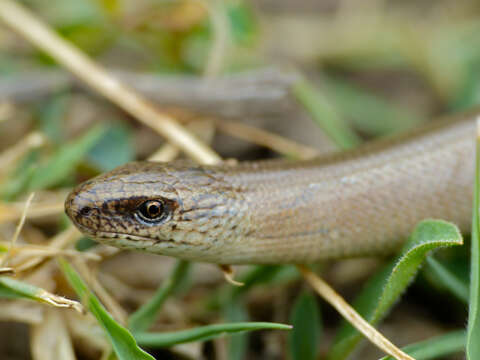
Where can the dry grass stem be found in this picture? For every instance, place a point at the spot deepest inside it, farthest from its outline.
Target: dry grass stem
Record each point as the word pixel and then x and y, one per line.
pixel 166 153
pixel 26 24
pixel 60 301
pixel 7 271
pixel 204 129
pixel 20 252
pixel 478 127
pixel 10 157
pixel 22 311
pixel 123 291
pixel 349 313
pixel 45 251
pixel 12 211
pixel 85 330
pixel 267 139
pixel 110 303
pixel 50 339
pixel 59 241
pixel 18 229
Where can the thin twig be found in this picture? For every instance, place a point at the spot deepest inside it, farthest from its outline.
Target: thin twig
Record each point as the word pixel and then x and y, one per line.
pixel 18 229
pixel 261 137
pixel 39 250
pixel 59 241
pixel 25 23
pixel 349 313
pixel 11 155
pixel 110 303
pixel 205 131
pixel 11 212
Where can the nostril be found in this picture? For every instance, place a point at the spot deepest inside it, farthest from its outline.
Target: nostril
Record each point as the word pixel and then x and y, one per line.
pixel 85 210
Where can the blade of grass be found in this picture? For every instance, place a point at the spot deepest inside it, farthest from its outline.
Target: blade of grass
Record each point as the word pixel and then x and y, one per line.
pixel 473 330
pixel 141 319
pixel 64 161
pixel 325 115
pixel 456 286
pixel 203 333
pixel 390 283
pixel 367 111
pixel 122 341
pixel 237 345
pixel 436 347
pixel 305 318
pixel 114 148
pixel 353 317
pixel 14 289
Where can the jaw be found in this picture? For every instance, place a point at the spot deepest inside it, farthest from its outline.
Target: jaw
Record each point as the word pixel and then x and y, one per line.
pixel 139 243
pixel 123 241
pixel 120 240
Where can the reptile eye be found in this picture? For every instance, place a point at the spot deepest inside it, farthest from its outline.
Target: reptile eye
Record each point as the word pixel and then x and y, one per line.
pixel 151 211
pixel 85 210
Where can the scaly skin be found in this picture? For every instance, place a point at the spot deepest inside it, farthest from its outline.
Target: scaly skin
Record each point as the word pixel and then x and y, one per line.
pixel 357 203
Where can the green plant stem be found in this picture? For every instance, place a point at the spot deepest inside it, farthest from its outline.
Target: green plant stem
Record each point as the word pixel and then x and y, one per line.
pixel 145 316
pixel 202 333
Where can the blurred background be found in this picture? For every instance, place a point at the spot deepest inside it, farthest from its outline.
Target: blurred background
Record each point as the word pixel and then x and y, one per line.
pixel 226 69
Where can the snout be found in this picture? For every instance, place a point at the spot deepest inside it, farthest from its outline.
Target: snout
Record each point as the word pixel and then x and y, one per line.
pixel 81 210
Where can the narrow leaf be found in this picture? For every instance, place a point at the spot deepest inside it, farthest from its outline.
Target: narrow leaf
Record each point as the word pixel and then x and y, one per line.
pixel 14 289
pixel 390 282
pixel 436 347
pixel 122 341
pixel 146 315
pixel 473 331
pixel 367 111
pixel 237 343
pixel 456 286
pixel 304 338
pixel 325 115
pixel 64 161
pixel 114 148
pixel 203 333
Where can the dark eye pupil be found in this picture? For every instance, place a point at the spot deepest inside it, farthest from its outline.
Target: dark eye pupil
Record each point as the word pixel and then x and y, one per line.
pixel 85 210
pixel 151 209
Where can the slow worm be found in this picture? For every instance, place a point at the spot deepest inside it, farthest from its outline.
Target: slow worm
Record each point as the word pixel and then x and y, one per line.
pixel 363 202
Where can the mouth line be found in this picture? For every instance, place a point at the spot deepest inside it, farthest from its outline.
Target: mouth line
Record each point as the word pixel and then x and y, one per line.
pixel 109 235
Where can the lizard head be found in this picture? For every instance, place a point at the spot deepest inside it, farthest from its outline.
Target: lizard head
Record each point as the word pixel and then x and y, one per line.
pixel 176 209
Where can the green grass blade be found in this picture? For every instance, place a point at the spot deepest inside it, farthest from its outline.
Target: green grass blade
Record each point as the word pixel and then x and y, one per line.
pixel 456 286
pixel 325 115
pixel 52 114
pixel 390 283
pixel 473 333
pixel 64 161
pixel 203 333
pixel 237 343
pixel 436 347
pixel 304 338
pixel 145 316
pixel 114 148
pixel 14 289
pixel 367 111
pixel 122 341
